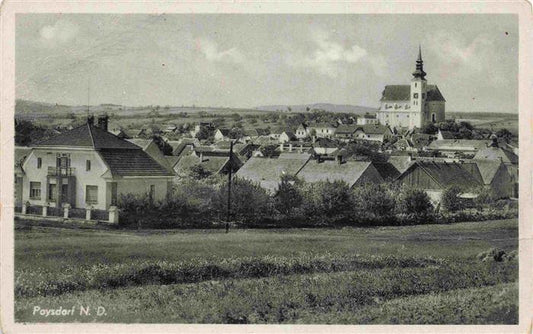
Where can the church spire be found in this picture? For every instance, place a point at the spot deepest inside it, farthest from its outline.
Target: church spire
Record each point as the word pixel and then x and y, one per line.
pixel 419 72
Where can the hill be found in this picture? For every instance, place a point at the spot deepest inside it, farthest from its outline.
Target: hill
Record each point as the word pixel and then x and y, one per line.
pixel 324 106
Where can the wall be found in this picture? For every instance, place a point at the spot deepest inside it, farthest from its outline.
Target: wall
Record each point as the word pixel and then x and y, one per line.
pixel 438 108
pixel 141 185
pixel 78 159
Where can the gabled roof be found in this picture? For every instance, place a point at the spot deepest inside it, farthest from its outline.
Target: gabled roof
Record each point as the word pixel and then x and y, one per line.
pixel 213 164
pixel 376 129
pixel 346 129
pixel 267 172
pixel 400 162
pixel 142 143
pixel 322 125
pixel 462 144
pixel 403 93
pixel 224 131
pixel 446 174
pixel 387 170
pixel 330 170
pixel 89 136
pixel 488 169
pixel 497 153
pixel 128 162
pixel 446 134
pixel 21 153
pixel 180 145
pixel 289 134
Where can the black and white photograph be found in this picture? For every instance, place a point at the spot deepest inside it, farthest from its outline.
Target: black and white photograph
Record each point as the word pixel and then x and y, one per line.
pixel 266 168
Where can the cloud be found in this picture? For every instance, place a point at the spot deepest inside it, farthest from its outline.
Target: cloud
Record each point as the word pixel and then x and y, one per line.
pixel 331 58
pixel 62 31
pixel 211 52
pixel 459 57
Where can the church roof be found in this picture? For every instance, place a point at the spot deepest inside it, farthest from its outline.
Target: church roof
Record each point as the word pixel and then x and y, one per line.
pixel 403 93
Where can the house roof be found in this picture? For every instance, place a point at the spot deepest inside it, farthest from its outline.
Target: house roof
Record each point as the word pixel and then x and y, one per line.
pixel 290 134
pixel 400 162
pixel 325 142
pixel 142 143
pixel 295 155
pixel 224 131
pixel 447 134
pixel 403 93
pixel 346 129
pixel 497 153
pixel 267 172
pixel 488 169
pixel 322 125
pixel 460 144
pixel 179 146
pixel 21 153
pixel 330 170
pixel 88 135
pixel 212 163
pixel 446 174
pixel 376 129
pixel 387 170
pixel 132 162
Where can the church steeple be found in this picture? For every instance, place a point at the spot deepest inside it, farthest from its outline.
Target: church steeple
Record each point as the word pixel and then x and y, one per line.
pixel 419 72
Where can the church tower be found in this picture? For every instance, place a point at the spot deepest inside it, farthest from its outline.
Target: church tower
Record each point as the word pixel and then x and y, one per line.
pixel 418 93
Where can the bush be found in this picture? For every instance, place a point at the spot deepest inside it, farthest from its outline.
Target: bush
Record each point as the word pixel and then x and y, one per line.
pixel 450 199
pixel 250 203
pixel 374 200
pixel 415 201
pixel 288 197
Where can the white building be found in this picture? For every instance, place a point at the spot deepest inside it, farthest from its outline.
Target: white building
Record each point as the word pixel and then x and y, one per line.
pixel 89 166
pixel 414 105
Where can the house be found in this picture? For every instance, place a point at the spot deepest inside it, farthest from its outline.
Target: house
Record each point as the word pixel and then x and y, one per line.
pixel 367 119
pixel 212 160
pixel 413 105
pixel 507 157
pixel 180 145
pixel 286 136
pixel 149 146
pixel 353 173
pixel 275 133
pixel 435 177
pixel 458 147
pixel 420 141
pixel 267 172
pixel 171 128
pixel 324 146
pixel 322 130
pixel 21 153
pixel 222 134
pixel 493 174
pixel 373 132
pixel 90 167
pixel 346 132
pixel 404 144
pixel 302 131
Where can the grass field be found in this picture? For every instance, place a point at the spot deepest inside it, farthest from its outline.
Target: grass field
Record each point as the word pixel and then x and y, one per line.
pixel 412 275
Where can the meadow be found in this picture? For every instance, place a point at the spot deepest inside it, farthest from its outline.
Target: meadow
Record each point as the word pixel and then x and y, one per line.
pixel 425 274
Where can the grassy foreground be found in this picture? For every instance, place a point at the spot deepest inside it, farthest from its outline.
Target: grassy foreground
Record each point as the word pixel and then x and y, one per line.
pixel 416 274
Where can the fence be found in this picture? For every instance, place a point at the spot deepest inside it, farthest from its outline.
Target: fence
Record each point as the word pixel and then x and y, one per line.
pixel 110 215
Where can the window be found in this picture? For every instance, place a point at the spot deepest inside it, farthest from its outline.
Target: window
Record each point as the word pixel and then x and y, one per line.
pixel 39 163
pixel 91 194
pixel 415 95
pixel 52 192
pixel 35 190
pixel 88 165
pixel 62 162
pixel 415 84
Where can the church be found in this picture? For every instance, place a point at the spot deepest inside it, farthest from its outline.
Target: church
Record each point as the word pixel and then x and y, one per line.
pixel 414 105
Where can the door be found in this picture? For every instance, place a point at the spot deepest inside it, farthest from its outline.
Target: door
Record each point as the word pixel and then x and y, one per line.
pixel 64 193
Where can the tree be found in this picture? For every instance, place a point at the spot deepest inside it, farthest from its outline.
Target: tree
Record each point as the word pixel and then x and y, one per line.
pixel 287 197
pixel 163 145
pixel 374 199
pixel 504 134
pixel 27 133
pixel 205 133
pixel 198 172
pixel 430 129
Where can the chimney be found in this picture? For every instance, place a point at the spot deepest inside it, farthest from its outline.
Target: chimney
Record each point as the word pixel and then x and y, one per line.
pixel 301 148
pixel 339 159
pixel 201 156
pixel 281 147
pixel 290 147
pixel 90 120
pixel 103 121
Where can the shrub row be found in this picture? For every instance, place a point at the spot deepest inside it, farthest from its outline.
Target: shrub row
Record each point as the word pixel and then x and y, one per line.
pixel 201 204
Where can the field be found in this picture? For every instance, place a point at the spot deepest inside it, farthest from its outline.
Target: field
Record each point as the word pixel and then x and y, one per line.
pixel 429 274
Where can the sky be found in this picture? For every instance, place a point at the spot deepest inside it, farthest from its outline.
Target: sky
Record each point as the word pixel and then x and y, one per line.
pixel 244 60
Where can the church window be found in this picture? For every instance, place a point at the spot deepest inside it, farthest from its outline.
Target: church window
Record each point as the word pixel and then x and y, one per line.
pixel 415 84
pixel 415 95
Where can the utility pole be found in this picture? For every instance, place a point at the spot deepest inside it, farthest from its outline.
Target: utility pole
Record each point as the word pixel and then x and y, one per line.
pixel 229 185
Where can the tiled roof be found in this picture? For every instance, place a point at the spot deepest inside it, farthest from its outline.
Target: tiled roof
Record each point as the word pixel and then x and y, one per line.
pixel 374 129
pixel 21 153
pixel 403 93
pixel 446 174
pixel 132 162
pixel 267 172
pixel 330 170
pixel 387 170
pixel 497 153
pixel 401 162
pixel 142 143
pixel 88 136
pixel 224 131
pixel 346 129
pixel 460 144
